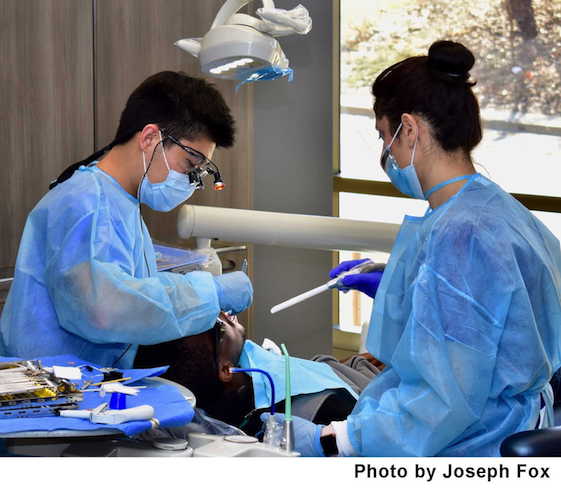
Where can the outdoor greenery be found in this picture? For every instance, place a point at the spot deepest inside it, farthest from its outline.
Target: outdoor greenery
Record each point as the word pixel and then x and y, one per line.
pixel 517 44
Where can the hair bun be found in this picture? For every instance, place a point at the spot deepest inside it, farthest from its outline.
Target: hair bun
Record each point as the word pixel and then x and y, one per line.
pixel 450 61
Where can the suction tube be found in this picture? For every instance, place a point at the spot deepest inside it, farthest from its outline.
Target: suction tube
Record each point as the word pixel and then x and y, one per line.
pixel 263 372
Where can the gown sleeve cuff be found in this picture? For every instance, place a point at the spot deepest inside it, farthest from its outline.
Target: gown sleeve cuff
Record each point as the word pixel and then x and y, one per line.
pixel 343 442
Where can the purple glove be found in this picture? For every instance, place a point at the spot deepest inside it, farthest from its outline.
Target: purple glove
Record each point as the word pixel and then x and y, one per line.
pixel 367 283
pixel 345 266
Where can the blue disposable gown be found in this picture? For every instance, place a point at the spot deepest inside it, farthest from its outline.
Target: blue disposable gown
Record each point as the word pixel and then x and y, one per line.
pixel 468 320
pixel 86 280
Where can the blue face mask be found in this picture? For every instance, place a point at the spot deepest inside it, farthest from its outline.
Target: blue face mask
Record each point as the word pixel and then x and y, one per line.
pixel 404 179
pixel 307 376
pixel 168 194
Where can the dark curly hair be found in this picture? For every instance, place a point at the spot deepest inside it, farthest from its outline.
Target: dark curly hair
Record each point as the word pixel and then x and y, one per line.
pixel 192 363
pixel 436 87
pixel 186 107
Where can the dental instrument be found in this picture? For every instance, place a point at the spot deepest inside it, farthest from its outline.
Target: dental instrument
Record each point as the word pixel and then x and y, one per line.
pixel 101 415
pixel 124 379
pixel 365 267
pixel 27 389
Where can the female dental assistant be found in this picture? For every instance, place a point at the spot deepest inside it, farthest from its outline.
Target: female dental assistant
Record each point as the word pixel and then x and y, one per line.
pixel 86 281
pixel 467 316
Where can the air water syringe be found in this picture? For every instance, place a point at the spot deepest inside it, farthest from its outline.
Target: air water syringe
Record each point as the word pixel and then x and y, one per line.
pixel 366 267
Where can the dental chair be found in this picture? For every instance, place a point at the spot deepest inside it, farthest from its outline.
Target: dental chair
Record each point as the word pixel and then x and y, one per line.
pixel 538 442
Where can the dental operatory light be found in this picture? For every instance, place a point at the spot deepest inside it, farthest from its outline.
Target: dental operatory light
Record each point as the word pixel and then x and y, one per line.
pixel 243 47
pixel 244 61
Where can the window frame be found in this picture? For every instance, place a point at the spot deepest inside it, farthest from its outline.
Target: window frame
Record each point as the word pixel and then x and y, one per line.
pixel 342 341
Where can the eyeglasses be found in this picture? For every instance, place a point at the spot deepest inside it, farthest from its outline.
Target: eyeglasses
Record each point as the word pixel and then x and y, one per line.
pixel 200 159
pixel 201 166
pixel 386 153
pixel 218 335
pixel 384 156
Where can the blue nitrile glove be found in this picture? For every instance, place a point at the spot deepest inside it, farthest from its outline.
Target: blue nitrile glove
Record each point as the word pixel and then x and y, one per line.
pixel 346 265
pixel 367 283
pixel 235 292
pixel 306 435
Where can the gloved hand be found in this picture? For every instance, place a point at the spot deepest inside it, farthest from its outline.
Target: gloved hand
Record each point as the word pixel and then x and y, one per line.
pixel 367 283
pixel 213 265
pixel 235 292
pixel 346 265
pixel 306 435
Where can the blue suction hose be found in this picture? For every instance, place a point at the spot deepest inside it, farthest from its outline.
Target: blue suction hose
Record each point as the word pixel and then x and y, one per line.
pixel 263 372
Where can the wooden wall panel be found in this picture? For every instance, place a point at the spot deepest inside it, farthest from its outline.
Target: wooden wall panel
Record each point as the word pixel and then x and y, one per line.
pixel 46 92
pixel 134 39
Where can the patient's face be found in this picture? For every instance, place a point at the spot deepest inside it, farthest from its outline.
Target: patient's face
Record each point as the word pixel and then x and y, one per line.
pixel 231 339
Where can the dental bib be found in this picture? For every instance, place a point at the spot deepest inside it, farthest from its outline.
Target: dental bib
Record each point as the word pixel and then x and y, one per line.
pixel 306 376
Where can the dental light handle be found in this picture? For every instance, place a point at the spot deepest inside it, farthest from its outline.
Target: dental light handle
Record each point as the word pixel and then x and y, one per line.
pixel 366 267
pixel 230 7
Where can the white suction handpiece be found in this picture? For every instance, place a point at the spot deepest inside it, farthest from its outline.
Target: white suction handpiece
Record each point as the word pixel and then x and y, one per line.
pixel 116 417
pixel 101 415
pixel 365 267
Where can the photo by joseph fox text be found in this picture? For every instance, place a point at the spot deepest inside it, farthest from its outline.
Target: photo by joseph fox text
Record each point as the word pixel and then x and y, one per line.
pixel 451 471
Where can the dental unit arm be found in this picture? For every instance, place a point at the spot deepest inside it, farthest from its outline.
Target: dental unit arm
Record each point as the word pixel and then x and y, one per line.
pixel 289 230
pixel 281 229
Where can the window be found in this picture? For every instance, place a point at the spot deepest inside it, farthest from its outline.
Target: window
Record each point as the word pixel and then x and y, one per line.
pixel 517 45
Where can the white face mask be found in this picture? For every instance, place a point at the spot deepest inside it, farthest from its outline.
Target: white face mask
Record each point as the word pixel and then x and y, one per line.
pixel 168 194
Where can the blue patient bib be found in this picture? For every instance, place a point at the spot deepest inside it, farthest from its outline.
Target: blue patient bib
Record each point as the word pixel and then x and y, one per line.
pixel 307 376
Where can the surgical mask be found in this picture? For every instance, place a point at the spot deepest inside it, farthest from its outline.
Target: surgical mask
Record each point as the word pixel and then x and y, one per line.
pixel 168 194
pixel 404 179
